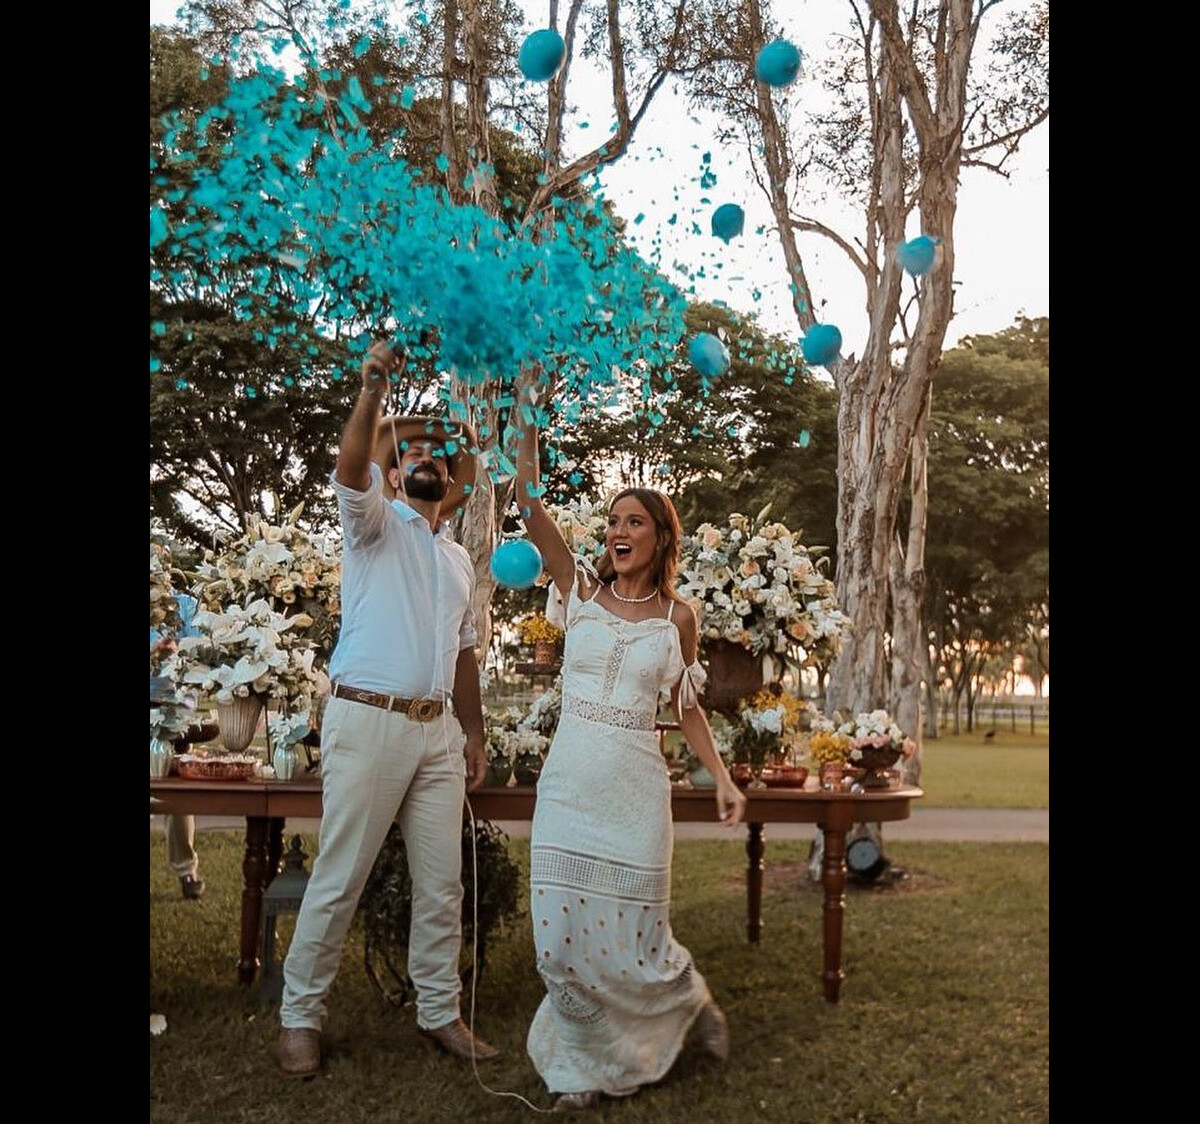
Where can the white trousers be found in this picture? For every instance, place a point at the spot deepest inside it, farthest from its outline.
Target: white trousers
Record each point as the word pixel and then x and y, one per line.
pixel 376 767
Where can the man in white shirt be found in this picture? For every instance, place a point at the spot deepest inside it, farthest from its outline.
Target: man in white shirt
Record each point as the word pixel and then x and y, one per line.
pixel 391 747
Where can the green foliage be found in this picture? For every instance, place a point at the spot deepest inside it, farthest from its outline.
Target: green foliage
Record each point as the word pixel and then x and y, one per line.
pixel 987 542
pixel 386 905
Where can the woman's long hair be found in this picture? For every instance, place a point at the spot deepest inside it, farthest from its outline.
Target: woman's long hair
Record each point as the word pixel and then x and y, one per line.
pixel 670 534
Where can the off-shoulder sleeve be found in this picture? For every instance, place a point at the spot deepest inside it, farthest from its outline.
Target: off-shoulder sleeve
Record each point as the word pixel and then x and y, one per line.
pixel 690 679
pixel 691 684
pixel 556 610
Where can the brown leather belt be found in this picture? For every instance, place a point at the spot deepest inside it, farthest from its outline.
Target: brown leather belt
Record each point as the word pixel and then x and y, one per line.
pixel 419 710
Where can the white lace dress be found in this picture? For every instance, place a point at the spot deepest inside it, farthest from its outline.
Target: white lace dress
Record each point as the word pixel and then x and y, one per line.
pixel 621 991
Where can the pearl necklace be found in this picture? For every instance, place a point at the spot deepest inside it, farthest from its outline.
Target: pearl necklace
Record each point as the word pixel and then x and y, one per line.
pixel 612 588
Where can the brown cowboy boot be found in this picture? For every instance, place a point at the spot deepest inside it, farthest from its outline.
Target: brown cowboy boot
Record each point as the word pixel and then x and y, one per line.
pixel 298 1051
pixel 456 1038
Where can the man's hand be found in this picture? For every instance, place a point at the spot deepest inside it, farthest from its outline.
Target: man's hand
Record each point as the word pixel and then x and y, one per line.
pixel 378 364
pixel 476 762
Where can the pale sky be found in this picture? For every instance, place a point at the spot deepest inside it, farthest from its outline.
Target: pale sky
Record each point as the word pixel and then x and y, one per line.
pixel 1002 232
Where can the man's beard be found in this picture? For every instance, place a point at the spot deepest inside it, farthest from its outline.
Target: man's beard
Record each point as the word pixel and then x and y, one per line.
pixel 425 485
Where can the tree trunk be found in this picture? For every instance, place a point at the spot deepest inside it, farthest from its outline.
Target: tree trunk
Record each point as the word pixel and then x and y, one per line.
pixel 910 647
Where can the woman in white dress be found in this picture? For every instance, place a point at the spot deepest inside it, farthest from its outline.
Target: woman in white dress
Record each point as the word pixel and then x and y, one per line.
pixel 622 993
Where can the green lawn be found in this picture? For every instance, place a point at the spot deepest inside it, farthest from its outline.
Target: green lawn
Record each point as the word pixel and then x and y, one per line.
pixel 968 771
pixel 944 1013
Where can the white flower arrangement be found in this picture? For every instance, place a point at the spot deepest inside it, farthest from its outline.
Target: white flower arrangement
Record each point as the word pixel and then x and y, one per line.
pixel 546 710
pixel 501 749
pixel 584 526
pixel 510 746
pixel 170 722
pixel 876 729
pixel 164 609
pixel 754 583
pixel 283 565
pixel 254 650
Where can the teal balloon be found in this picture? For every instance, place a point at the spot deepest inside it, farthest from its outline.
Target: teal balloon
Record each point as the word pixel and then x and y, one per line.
pixel 516 564
pixel 728 220
pixel 821 345
pixel 708 355
pixel 541 55
pixel 777 64
pixel 916 257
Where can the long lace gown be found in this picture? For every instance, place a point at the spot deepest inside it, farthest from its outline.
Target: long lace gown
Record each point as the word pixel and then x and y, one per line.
pixel 621 991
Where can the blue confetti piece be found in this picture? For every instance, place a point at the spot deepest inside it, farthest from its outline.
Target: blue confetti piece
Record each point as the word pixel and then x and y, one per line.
pixel 362 47
pixel 155 363
pixel 407 96
pixel 804 438
pixel 159 227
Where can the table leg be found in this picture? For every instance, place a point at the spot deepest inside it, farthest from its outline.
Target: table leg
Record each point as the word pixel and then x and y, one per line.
pixel 254 878
pixel 833 878
pixel 754 881
pixel 274 847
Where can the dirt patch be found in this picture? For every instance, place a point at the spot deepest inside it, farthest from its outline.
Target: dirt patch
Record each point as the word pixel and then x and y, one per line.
pixel 792 877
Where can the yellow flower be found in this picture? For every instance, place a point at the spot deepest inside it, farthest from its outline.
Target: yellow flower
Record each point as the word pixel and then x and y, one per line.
pixel 534 628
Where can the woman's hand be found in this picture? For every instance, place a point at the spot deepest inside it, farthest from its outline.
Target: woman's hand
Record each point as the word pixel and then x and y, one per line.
pixel 731 802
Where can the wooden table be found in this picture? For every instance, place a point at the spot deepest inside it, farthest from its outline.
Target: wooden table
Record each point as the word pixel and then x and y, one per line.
pixel 267 804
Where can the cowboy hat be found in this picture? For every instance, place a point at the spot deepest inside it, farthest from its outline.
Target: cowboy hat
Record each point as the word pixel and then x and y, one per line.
pixel 458 438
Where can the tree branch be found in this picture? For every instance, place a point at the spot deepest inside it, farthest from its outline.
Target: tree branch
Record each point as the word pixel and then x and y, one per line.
pixel 815 227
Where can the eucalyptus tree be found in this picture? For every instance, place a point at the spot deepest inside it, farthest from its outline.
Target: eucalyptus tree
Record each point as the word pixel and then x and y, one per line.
pixel 917 98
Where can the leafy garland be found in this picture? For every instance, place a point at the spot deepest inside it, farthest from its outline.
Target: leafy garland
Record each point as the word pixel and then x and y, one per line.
pixel 386 906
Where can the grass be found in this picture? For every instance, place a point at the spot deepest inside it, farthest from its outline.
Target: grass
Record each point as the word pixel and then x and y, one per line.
pixel 1005 771
pixel 944 1011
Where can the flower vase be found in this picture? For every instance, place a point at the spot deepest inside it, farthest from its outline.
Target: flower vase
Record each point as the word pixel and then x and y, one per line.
pixel 757 765
pixel 238 721
pixel 832 774
pixel 875 761
pixel 498 774
pixel 734 673
pixel 527 770
pixel 162 757
pixel 284 762
pixel 702 778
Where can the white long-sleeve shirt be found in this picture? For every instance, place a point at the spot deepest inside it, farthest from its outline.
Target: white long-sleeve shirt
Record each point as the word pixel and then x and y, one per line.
pixel 406 597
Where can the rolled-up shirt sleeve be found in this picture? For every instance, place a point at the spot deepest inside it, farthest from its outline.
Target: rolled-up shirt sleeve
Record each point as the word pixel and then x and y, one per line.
pixel 468 633
pixel 362 512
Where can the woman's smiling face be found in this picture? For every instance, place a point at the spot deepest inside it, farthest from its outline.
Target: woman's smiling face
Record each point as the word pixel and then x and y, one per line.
pixel 632 536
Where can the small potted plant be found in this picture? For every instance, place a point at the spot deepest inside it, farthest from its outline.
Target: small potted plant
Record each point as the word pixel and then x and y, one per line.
pixel 535 629
pixel 765 739
pixel 828 749
pixel 501 746
pixel 247 658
